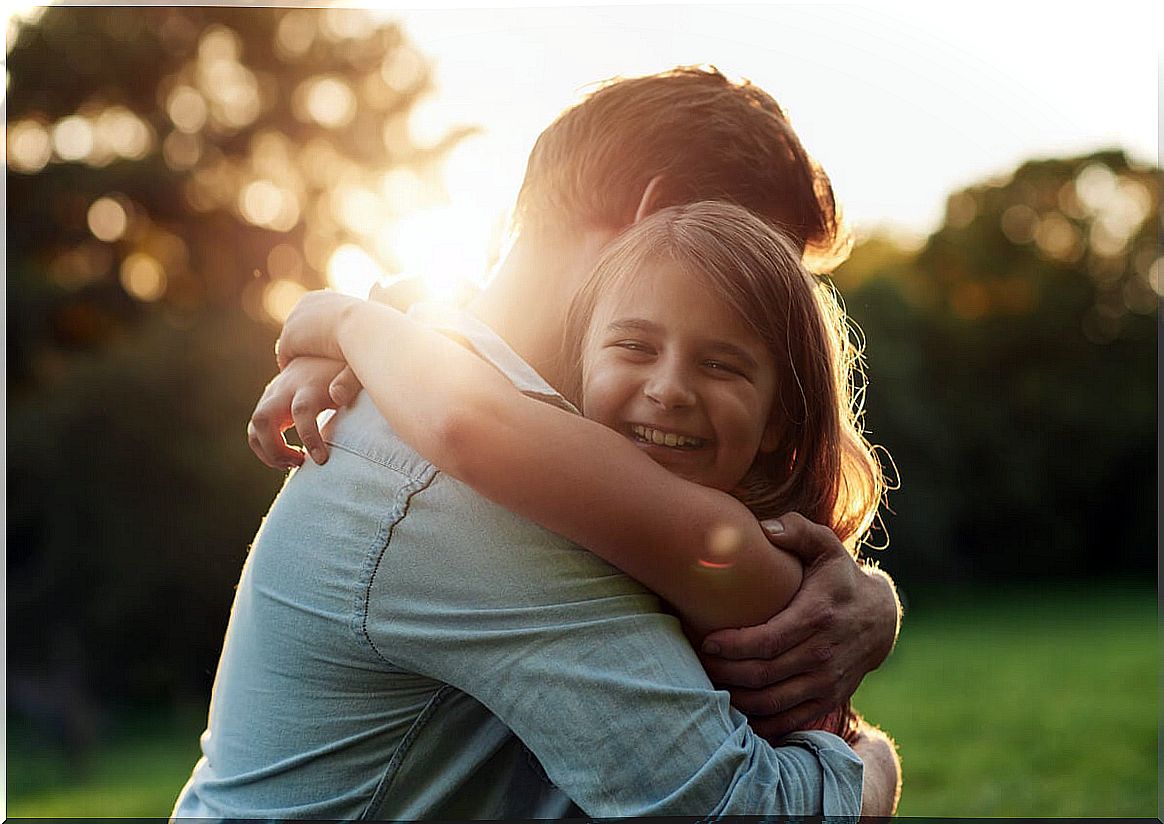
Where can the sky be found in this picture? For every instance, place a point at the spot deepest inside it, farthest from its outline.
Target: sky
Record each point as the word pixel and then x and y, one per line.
pixel 901 103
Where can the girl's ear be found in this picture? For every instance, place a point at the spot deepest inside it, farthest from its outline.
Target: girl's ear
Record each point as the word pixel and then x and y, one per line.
pixel 648 203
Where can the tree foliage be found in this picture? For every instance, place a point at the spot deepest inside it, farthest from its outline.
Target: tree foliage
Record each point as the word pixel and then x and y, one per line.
pixel 1012 375
pixel 174 182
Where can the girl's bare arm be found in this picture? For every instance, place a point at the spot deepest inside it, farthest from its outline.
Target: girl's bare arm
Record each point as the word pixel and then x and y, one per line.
pixel 697 547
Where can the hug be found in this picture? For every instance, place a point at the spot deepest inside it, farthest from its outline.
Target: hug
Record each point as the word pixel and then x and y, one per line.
pixel 588 546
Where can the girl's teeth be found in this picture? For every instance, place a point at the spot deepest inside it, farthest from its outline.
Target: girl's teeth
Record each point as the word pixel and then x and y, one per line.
pixel 665 438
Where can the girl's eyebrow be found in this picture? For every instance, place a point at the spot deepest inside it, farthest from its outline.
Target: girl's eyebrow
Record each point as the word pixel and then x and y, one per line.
pixel 633 325
pixel 641 325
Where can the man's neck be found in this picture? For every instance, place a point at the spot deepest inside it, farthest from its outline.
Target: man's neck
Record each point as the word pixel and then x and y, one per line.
pixel 526 301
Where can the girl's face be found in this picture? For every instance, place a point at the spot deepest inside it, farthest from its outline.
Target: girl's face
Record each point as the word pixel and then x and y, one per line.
pixel 668 364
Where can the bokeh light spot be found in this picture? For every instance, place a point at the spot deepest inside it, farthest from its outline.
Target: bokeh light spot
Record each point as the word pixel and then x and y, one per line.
pixel 402 70
pixel 29 147
pixel 219 43
pixel 124 133
pixel 260 201
pixel 723 543
pixel 1104 241
pixel 353 271
pixel 187 109
pixel 295 34
pixel 280 297
pixel 1018 223
pixel 330 102
pixel 1058 238
pixel 143 277
pixel 1094 185
pixel 1156 276
pixel 345 23
pixel 73 138
pixel 263 203
pixel 181 151
pixel 107 219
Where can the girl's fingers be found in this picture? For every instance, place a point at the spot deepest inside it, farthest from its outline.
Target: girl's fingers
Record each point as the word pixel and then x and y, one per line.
pixel 345 387
pixel 305 409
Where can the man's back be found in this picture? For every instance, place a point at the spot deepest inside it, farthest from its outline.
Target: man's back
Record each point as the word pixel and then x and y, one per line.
pixel 381 594
pixel 308 718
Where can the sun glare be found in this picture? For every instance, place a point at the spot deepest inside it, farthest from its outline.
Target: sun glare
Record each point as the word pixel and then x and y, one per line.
pixel 447 248
pixel 446 235
pixel 353 271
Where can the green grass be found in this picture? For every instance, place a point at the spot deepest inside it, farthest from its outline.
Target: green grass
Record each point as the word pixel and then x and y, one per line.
pixel 135 772
pixel 1025 704
pixel 1032 704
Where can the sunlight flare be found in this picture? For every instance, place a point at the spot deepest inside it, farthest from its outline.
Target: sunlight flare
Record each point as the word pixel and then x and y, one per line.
pixel 353 271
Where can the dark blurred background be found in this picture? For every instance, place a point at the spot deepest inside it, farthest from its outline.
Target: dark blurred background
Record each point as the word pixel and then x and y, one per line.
pixel 169 180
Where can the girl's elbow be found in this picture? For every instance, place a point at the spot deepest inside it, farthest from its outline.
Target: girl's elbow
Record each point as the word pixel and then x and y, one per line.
pixel 740 598
pixel 767 591
pixel 450 437
pixel 463 439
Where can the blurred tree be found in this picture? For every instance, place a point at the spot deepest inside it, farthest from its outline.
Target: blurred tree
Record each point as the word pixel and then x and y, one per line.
pixel 196 157
pixel 1012 375
pixel 176 178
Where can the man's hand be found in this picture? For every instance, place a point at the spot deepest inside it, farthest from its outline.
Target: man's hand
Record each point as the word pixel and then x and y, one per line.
pixel 810 657
pixel 295 397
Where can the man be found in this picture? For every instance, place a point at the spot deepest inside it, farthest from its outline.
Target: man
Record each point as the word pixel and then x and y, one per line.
pixel 402 648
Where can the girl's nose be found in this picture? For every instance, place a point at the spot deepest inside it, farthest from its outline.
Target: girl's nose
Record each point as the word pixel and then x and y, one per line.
pixel 668 388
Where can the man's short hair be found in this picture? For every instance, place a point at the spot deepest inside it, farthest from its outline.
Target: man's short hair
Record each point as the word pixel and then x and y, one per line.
pixel 707 137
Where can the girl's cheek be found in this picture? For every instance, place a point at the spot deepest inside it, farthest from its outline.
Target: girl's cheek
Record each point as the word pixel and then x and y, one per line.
pixel 602 390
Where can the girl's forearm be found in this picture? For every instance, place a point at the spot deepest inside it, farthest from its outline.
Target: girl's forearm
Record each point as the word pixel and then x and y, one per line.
pixel 697 547
pixel 418 378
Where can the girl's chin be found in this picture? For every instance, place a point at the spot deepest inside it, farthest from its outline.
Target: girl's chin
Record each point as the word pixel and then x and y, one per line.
pixel 688 465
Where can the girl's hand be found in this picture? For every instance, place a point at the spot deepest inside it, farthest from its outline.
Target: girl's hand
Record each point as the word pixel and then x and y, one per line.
pixel 312 327
pixel 294 398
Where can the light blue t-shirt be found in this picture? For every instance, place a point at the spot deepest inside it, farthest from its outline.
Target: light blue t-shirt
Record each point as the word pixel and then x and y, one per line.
pixel 400 648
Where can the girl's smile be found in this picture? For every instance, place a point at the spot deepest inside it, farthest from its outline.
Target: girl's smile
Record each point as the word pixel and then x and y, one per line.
pixel 678 372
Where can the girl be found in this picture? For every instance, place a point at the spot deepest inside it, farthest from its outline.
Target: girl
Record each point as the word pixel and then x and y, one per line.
pixel 699 340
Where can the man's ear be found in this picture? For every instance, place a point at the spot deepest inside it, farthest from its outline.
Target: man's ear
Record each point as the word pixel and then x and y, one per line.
pixel 648 203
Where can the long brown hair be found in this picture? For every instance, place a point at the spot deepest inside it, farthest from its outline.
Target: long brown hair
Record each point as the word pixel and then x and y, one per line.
pixel 823 467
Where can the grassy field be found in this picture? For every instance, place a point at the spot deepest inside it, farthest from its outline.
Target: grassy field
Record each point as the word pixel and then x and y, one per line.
pixel 1040 704
pixel 1028 704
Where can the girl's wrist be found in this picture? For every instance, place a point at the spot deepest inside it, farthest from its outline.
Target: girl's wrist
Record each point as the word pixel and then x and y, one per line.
pixel 347 319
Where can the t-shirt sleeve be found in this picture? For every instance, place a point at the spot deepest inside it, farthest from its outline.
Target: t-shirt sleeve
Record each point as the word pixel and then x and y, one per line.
pixel 580 662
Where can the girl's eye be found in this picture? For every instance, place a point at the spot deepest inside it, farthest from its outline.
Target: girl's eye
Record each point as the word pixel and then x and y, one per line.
pixel 720 366
pixel 633 346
